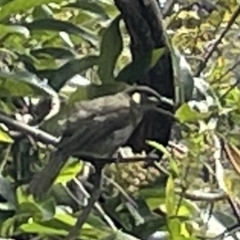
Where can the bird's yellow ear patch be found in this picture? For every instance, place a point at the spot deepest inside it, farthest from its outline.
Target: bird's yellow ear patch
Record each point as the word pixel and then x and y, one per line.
pixel 136 97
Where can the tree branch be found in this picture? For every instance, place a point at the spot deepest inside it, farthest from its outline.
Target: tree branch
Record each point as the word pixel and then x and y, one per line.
pixel 37 134
pixel 203 196
pixel 218 41
pixel 97 178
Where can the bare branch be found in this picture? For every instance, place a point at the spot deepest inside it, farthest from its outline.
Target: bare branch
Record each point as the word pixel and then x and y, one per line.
pixel 73 233
pixel 37 134
pixel 218 41
pixel 203 196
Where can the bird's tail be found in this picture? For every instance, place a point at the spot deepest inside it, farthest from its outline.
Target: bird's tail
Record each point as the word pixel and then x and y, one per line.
pixel 42 181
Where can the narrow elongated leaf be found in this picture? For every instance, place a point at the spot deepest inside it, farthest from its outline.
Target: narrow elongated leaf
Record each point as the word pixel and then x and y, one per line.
pixel 69 171
pixel 55 52
pixel 17 6
pixel 90 6
pixel 10 29
pixel 62 26
pixel 4 137
pixel 183 76
pixel 60 225
pixel 58 78
pixel 21 85
pixel 7 191
pixel 110 49
pixel 170 196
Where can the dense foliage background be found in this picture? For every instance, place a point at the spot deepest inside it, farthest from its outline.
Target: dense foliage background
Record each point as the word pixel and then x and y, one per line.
pixel 78 50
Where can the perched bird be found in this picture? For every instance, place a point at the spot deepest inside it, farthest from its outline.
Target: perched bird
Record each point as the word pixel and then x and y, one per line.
pixel 95 131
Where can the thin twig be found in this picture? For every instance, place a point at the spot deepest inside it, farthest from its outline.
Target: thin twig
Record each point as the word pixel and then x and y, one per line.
pixel 203 196
pixel 121 190
pixel 226 72
pixel 218 41
pixel 235 208
pixel 97 205
pixel 37 134
pixel 73 233
pixel 229 90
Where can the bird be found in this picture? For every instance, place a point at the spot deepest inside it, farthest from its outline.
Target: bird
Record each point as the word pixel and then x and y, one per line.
pixel 94 132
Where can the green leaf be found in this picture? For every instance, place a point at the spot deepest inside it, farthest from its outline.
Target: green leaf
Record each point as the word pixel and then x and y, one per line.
pixel 7 228
pixel 90 6
pixel 54 52
pixel 17 6
pixel 22 84
pixel 170 197
pixel 155 55
pixel 41 211
pixel 155 192
pixel 134 70
pixel 4 137
pixel 47 209
pixel 96 222
pixel 40 229
pixel 187 114
pixel 174 226
pixel 159 147
pixel 58 77
pixel 62 26
pixel 13 29
pixel 183 77
pixel 60 226
pixel 184 83
pixel 7 191
pixel 69 171
pixel 3 2
pixel 110 49
pixel 22 196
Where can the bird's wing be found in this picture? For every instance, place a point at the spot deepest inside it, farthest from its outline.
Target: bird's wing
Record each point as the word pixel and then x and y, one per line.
pixel 101 135
pixel 85 110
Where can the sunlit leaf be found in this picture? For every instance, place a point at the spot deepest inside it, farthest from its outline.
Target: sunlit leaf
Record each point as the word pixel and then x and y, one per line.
pixel 62 26
pixel 21 84
pixel 69 171
pixel 17 6
pixel 187 114
pixel 170 196
pixel 13 29
pixel 4 137
pixel 60 226
pixel 93 7
pixel 160 147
